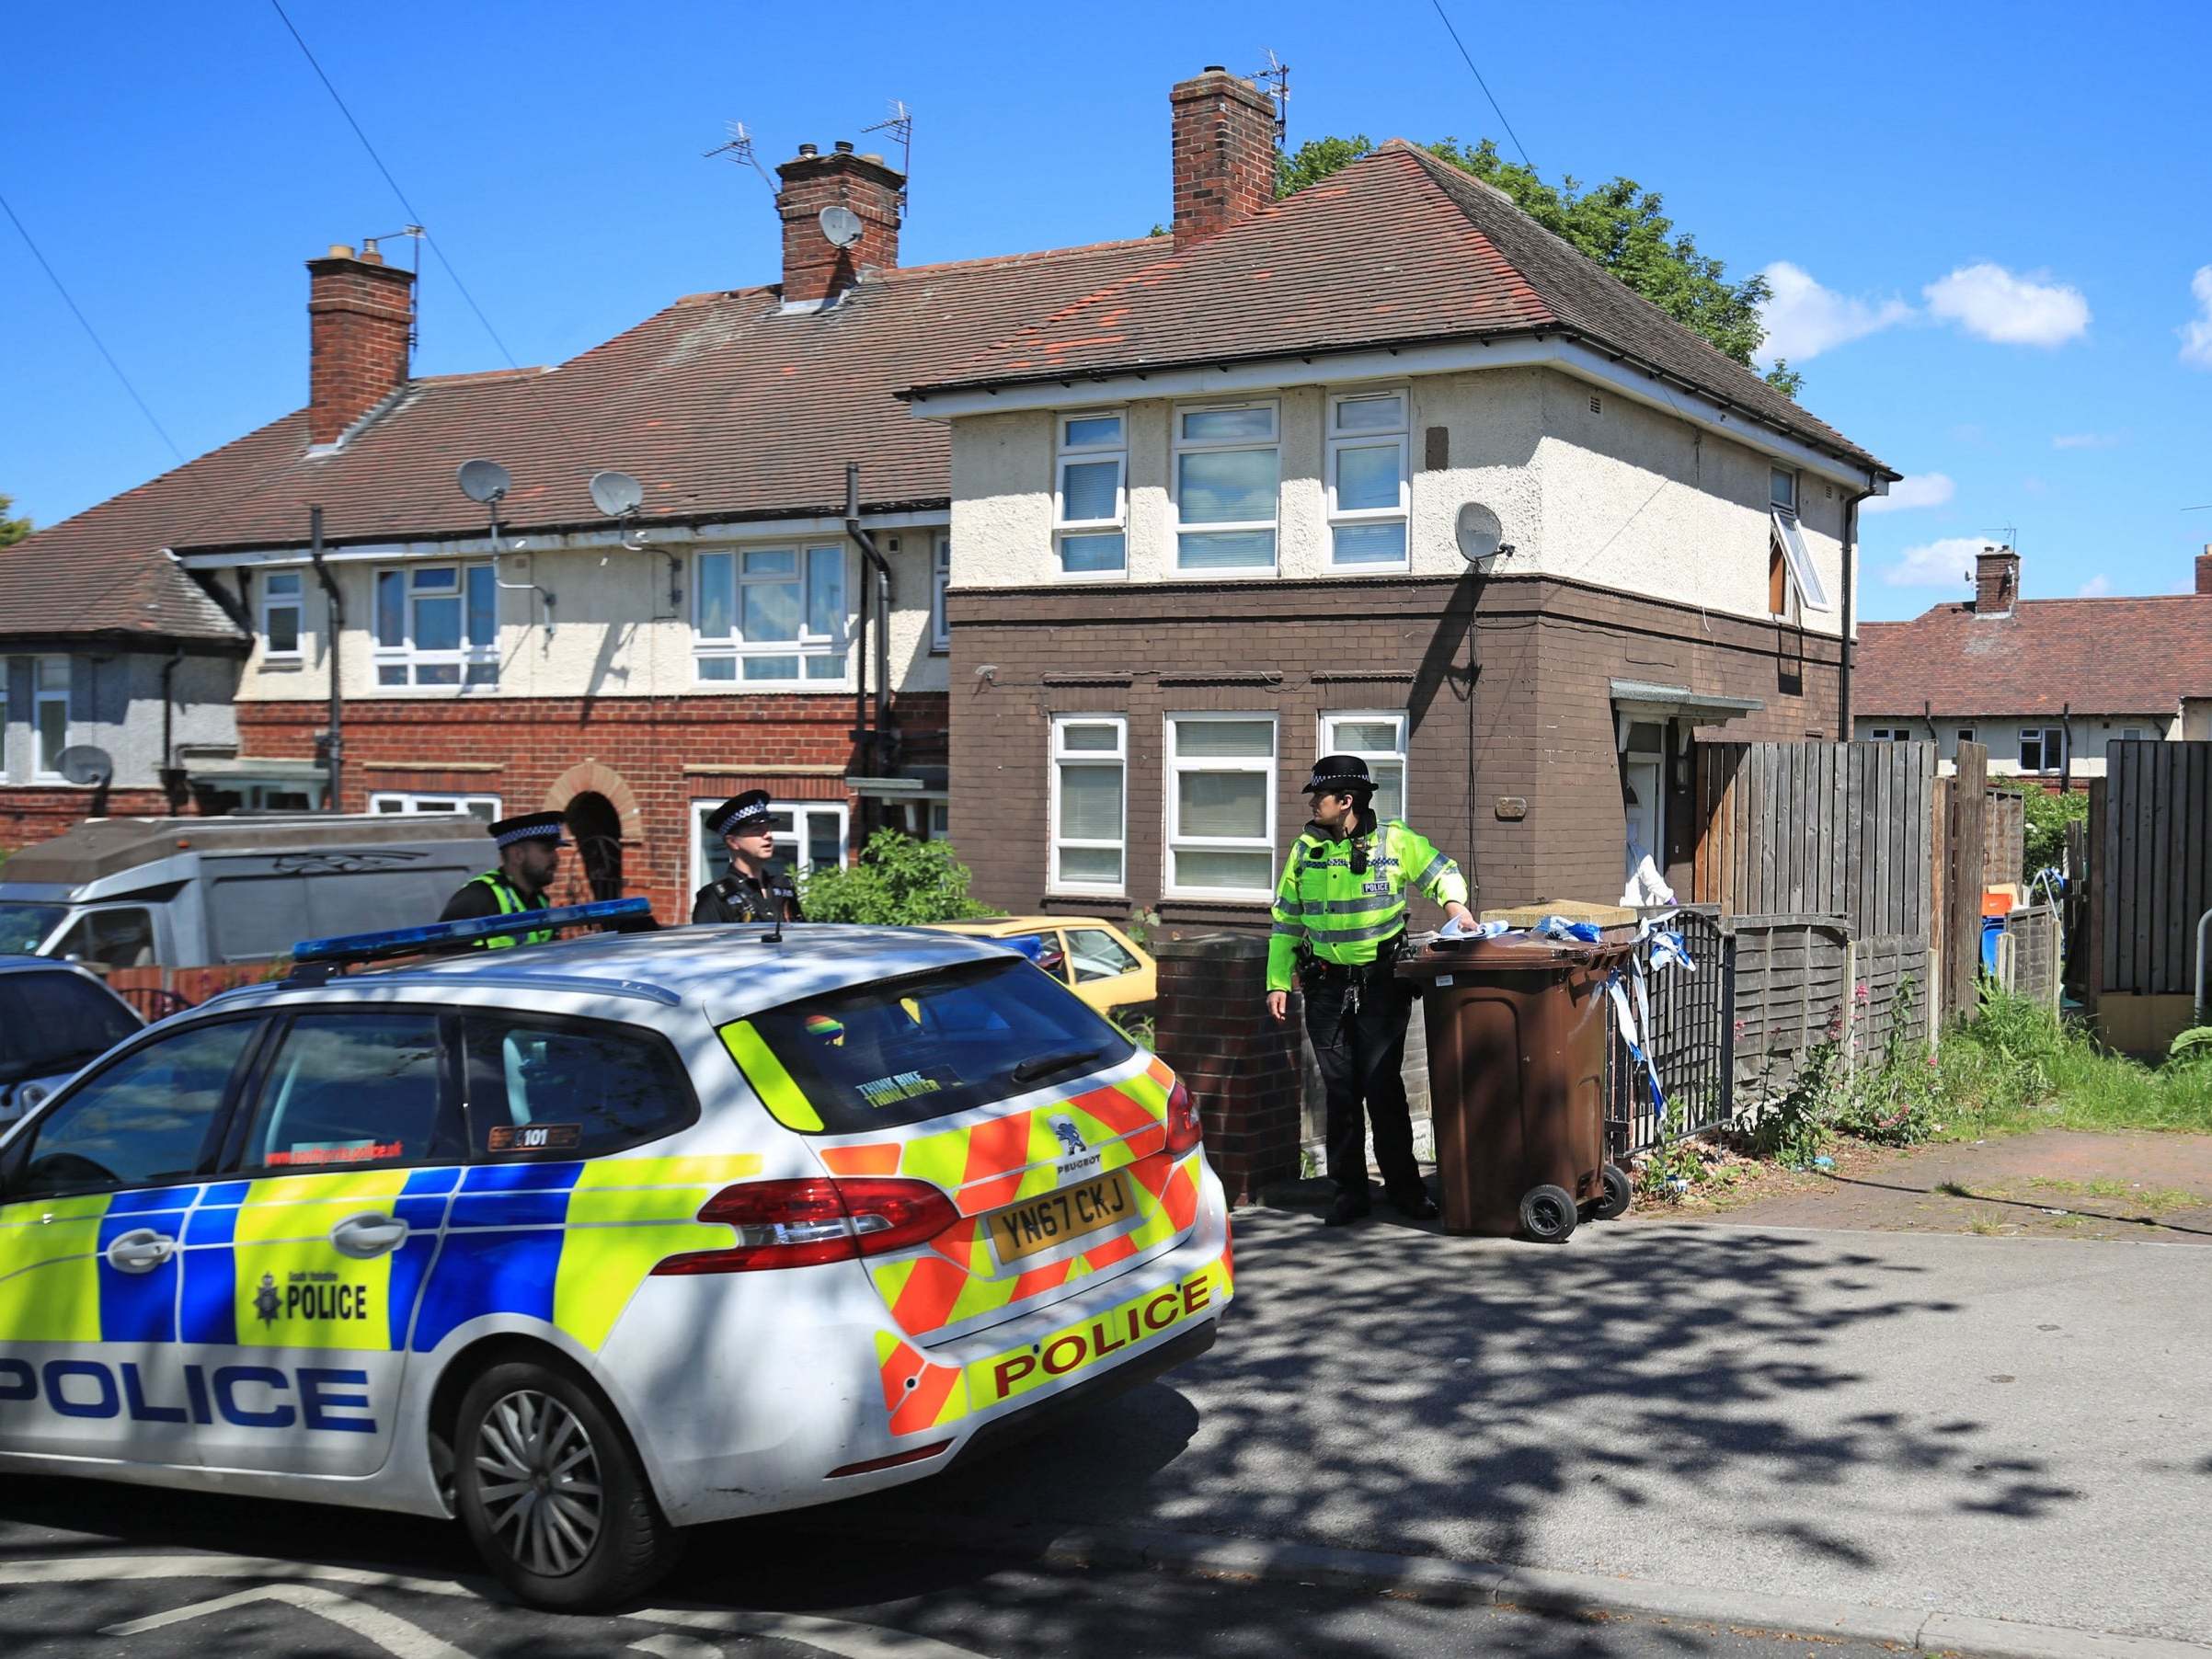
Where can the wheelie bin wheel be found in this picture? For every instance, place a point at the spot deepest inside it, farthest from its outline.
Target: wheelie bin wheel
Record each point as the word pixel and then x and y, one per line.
pixel 1618 1193
pixel 1548 1214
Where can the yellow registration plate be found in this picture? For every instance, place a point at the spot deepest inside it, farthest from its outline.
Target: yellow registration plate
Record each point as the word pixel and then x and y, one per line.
pixel 1088 1207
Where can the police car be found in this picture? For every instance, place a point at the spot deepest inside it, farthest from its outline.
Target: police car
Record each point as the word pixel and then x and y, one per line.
pixel 594 1240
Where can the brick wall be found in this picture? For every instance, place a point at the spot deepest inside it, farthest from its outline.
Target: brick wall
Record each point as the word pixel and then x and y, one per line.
pixel 360 313
pixel 1541 725
pixel 1239 1067
pixel 651 757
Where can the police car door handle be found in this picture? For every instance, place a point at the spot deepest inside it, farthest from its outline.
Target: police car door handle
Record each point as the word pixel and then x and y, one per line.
pixel 368 1235
pixel 142 1250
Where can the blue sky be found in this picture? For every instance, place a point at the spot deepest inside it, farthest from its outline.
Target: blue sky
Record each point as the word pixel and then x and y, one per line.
pixel 1991 216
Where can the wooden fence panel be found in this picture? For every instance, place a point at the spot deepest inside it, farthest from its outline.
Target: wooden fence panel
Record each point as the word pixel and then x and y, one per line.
pixel 2149 850
pixel 1793 991
pixel 2004 837
pixel 1894 971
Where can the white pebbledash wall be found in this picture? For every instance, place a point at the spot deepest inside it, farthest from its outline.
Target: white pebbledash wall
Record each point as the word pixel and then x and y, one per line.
pixel 615 633
pixel 1628 497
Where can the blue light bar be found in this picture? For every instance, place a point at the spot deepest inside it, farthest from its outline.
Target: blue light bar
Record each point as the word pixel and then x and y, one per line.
pixel 406 940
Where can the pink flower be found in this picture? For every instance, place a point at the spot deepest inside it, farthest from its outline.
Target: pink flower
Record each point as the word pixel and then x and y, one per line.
pixel 1861 992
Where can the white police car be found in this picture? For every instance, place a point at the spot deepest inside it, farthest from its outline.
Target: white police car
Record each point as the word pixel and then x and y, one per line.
pixel 592 1241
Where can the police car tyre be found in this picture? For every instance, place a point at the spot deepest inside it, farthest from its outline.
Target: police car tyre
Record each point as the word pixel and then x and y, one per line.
pixel 1548 1213
pixel 554 1495
pixel 1618 1192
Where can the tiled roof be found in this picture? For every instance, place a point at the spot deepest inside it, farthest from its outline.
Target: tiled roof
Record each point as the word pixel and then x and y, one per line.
pixel 722 405
pixel 1399 247
pixel 2101 656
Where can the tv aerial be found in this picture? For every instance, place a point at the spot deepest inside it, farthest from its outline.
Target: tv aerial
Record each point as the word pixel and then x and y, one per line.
pixel 1480 536
pixel 900 124
pixel 739 149
pixel 841 225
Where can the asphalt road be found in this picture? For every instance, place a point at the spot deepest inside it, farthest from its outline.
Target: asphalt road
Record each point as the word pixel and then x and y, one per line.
pixel 88 1570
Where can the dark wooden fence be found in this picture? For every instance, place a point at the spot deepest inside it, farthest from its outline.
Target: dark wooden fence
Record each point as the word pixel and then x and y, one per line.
pixel 2150 856
pixel 2004 838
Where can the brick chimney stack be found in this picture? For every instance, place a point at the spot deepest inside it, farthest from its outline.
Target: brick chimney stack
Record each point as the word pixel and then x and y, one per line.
pixel 1224 152
pixel 360 313
pixel 815 269
pixel 2204 571
pixel 1996 581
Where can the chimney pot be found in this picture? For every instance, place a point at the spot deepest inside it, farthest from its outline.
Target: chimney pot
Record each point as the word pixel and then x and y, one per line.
pixel 845 146
pixel 1223 144
pixel 808 150
pixel 341 250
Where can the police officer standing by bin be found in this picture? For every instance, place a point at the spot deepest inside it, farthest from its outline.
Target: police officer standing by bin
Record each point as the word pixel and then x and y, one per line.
pixel 1340 924
pixel 529 854
pixel 759 886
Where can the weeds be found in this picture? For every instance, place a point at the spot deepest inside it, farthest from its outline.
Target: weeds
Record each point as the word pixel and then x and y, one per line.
pixel 2017 1065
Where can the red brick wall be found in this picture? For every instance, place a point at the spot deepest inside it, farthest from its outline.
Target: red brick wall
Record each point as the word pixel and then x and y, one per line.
pixel 1241 1066
pixel 539 753
pixel 29 813
pixel 358 314
pixel 814 267
pixel 1224 152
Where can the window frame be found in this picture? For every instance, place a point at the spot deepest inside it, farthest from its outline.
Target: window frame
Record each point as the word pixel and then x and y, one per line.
pixel 1336 443
pixel 1889 734
pixel 1179 446
pixel 410 803
pixel 1806 590
pixel 40 697
pixel 805 644
pixel 296 603
pixel 1173 764
pixel 1965 734
pixel 246 1105
pixel 1060 756
pixel 2050 745
pixel 1330 744
pixel 407 655
pixel 800 865
pixel 1063 454
pixel 940 585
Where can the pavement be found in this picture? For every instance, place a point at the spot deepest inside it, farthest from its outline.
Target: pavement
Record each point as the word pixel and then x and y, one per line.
pixel 1933 1429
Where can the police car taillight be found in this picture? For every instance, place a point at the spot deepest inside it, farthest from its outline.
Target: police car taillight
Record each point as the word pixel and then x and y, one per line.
pixel 806 1222
pixel 1182 1121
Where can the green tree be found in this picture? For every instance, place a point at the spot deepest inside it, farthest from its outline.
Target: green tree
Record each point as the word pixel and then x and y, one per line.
pixel 11 529
pixel 2047 817
pixel 898 882
pixel 1620 225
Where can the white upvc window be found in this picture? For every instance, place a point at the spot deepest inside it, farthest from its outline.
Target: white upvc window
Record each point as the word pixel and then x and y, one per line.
pixel 282 611
pixel 1966 734
pixel 1090 493
pixel 771 615
pixel 405 803
pixel 1226 485
pixel 1089 803
pixel 1221 806
pixel 1791 563
pixel 1889 734
pixel 2041 749
pixel 1368 488
pixel 1376 736
pixel 940 583
pixel 809 836
pixel 50 716
pixel 437 625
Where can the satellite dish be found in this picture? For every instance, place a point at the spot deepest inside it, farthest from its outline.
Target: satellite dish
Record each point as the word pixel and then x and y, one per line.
pixel 841 226
pixel 86 765
pixel 617 494
pixel 484 481
pixel 1479 533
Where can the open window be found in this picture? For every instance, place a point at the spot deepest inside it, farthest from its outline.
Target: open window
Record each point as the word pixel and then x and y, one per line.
pixel 1793 583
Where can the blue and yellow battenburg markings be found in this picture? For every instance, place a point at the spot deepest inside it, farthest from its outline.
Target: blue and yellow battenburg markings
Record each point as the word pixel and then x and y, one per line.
pixel 568 1243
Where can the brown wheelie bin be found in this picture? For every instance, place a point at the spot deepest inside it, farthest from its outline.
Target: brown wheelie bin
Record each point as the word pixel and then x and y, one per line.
pixel 1516 1048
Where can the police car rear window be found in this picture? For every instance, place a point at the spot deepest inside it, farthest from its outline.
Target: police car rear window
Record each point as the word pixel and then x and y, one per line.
pixel 923 1047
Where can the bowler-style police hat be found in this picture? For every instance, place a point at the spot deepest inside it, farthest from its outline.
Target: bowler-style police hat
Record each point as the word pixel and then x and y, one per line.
pixel 529 827
pixel 741 813
pixel 1339 774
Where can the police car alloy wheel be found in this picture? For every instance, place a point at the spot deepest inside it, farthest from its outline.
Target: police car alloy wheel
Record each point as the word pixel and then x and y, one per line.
pixel 552 1493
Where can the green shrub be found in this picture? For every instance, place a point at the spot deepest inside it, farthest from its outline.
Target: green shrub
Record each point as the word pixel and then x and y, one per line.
pixel 2047 817
pixel 899 882
pixel 1898 1099
pixel 2017 1065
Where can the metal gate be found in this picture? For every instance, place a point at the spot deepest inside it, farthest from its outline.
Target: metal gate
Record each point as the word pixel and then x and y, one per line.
pixel 1691 1042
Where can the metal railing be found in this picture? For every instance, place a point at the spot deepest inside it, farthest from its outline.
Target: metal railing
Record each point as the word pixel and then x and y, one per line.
pixel 1691 1042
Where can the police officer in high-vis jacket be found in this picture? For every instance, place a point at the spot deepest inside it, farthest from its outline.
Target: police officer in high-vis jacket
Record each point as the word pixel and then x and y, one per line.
pixel 759 886
pixel 530 852
pixel 1339 926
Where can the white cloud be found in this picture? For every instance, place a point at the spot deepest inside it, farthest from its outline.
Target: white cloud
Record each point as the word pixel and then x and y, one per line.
pixel 2097 587
pixel 1803 319
pixel 2086 440
pixel 2196 334
pixel 1991 303
pixel 1943 564
pixel 1918 489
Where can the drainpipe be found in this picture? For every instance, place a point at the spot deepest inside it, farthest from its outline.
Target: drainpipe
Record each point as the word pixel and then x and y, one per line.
pixel 872 555
pixel 169 746
pixel 1928 716
pixel 337 750
pixel 1850 559
pixel 2066 752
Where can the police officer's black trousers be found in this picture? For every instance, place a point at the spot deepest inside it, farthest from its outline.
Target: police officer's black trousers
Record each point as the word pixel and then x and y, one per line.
pixel 1359 1034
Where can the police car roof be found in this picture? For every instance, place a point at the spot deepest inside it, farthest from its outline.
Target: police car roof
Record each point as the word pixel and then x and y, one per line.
pixel 735 968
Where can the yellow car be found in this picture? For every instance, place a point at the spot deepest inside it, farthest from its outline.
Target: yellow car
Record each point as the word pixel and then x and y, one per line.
pixel 1106 969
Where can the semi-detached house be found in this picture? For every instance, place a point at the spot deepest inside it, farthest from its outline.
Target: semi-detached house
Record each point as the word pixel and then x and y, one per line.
pixel 1383 467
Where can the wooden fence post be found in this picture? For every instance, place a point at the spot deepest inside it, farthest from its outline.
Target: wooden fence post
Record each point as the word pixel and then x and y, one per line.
pixel 1962 872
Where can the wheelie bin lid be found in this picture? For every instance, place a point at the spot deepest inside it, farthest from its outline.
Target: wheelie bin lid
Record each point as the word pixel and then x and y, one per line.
pixel 1433 957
